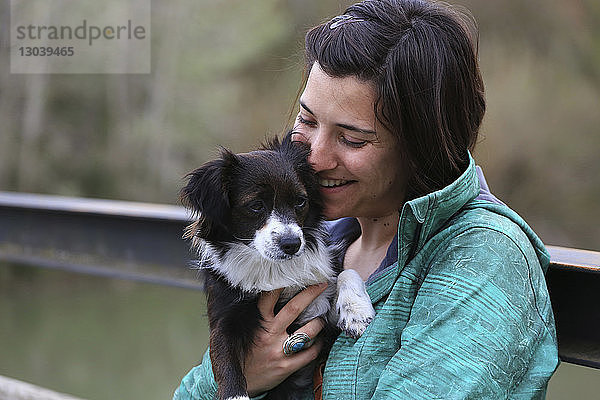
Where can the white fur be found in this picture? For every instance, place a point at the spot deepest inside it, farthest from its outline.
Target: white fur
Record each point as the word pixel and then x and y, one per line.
pixel 265 239
pixel 244 267
pixel 353 306
pixel 321 306
pixel 239 398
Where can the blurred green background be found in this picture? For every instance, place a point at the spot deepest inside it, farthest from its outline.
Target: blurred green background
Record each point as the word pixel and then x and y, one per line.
pixel 227 73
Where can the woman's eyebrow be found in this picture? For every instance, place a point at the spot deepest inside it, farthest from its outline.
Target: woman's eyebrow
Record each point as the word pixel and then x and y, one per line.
pixel 345 126
pixel 356 129
pixel 303 105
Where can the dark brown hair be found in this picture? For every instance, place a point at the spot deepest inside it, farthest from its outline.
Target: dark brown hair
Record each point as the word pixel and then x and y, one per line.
pixel 422 58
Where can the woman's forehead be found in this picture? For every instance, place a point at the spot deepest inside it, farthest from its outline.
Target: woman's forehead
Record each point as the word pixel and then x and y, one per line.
pixel 346 95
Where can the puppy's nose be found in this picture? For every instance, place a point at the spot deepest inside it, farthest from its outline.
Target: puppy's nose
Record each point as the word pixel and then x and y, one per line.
pixel 289 244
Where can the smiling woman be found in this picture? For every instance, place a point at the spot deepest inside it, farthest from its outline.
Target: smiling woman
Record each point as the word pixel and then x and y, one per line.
pixel 391 110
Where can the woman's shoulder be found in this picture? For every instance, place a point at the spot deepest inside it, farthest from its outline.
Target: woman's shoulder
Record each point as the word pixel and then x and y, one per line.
pixel 489 256
pixel 489 219
pixel 486 218
pixel 484 232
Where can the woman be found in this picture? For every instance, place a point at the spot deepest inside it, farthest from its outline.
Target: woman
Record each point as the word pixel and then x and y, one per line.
pixel 391 107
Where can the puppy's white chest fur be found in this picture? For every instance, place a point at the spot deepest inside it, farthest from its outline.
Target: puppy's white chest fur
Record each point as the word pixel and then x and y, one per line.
pixel 246 268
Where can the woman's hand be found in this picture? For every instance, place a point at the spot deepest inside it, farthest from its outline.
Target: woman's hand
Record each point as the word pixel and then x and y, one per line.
pixel 266 366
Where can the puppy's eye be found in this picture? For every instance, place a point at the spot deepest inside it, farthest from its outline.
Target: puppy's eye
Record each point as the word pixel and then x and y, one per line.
pixel 301 202
pixel 256 206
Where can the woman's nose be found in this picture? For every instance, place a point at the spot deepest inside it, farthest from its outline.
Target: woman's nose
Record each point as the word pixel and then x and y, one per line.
pixel 322 153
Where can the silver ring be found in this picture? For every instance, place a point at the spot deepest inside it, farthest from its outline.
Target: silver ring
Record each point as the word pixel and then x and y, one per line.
pixel 295 343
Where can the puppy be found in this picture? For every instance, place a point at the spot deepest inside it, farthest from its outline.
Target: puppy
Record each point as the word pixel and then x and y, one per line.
pixel 259 227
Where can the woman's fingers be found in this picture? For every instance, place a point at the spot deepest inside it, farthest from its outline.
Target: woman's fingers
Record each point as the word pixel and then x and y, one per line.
pixel 266 365
pixel 303 357
pixel 312 328
pixel 291 311
pixel 267 301
pixel 298 303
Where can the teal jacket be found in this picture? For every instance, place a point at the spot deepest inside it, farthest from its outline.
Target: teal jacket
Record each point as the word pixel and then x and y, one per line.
pixel 463 313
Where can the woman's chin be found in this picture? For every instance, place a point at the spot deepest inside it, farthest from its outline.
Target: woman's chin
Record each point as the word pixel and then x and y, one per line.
pixel 331 214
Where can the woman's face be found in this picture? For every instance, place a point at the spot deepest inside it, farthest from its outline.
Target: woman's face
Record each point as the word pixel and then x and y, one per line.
pixel 356 158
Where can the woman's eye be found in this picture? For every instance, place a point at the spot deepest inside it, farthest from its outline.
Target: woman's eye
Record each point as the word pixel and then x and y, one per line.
pixel 305 121
pixel 352 142
pixel 256 206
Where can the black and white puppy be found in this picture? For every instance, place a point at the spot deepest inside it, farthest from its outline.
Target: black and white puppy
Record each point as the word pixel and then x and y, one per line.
pixel 259 227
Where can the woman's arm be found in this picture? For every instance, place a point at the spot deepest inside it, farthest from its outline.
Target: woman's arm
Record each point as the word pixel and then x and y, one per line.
pixel 481 326
pixel 266 366
pixel 199 383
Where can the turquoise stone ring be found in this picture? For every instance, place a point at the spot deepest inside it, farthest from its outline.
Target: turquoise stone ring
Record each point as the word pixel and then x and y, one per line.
pixel 295 343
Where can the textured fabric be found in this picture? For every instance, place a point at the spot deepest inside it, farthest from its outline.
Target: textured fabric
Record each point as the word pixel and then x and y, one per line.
pixel 464 313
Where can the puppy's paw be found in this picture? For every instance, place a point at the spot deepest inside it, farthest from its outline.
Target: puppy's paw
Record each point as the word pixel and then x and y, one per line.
pixel 354 324
pixel 354 308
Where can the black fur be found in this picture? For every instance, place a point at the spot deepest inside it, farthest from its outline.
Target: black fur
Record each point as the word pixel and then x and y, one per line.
pixel 225 194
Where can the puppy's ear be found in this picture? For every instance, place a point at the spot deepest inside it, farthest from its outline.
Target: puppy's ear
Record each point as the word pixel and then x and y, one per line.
pixel 296 151
pixel 287 138
pixel 286 145
pixel 272 143
pixel 207 192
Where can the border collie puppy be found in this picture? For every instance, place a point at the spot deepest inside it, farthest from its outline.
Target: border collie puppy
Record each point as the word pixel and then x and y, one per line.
pixel 259 227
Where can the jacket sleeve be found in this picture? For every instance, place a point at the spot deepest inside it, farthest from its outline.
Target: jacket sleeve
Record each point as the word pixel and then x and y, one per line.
pixel 199 383
pixel 481 326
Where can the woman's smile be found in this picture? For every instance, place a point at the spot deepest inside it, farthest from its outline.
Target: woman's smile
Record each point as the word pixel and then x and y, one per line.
pixel 329 183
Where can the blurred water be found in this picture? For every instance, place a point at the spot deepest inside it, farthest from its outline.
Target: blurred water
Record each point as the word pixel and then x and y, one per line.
pixel 109 339
pixel 98 338
pixel 574 382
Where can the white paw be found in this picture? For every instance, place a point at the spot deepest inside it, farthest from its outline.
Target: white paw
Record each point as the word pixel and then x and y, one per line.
pixel 354 308
pixel 353 323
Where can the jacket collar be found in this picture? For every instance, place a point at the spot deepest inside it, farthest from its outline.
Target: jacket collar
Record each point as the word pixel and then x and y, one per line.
pixel 421 218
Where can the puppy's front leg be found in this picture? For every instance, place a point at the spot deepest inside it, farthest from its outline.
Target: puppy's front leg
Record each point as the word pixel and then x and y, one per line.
pixel 226 366
pixel 353 305
pixel 232 324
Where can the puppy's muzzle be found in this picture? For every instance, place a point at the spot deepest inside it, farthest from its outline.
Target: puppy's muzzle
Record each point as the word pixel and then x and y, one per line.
pixel 289 244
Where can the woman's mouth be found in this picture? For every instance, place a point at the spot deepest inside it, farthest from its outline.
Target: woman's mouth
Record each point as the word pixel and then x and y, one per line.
pixel 330 183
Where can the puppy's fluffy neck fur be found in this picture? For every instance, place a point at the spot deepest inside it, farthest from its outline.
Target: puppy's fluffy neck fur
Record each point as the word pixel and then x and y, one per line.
pixel 261 274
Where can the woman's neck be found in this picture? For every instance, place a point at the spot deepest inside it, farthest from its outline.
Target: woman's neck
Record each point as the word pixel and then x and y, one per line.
pixel 378 232
pixel 366 253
